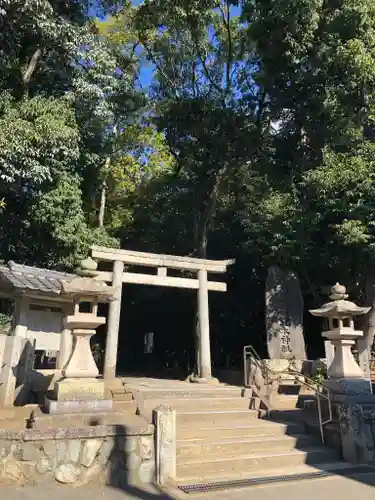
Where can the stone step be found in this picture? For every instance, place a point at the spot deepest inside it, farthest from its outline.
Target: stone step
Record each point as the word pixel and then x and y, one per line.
pixel 125 406
pixel 196 448
pixel 117 395
pixel 284 401
pixel 230 465
pixel 215 417
pixel 196 404
pixel 291 415
pixel 237 430
pixel 167 394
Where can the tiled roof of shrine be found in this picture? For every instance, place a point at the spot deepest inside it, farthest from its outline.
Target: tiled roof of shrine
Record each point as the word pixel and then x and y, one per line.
pixel 32 279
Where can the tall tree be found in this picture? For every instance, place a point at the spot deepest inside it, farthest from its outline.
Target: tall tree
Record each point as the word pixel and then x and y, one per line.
pixel 62 87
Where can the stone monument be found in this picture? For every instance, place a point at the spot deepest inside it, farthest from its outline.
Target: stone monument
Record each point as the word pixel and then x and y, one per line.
pixel 80 389
pixel 284 315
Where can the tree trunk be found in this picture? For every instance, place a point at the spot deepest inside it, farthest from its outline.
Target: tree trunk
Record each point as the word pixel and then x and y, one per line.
pixel 367 323
pixel 103 195
pixel 28 73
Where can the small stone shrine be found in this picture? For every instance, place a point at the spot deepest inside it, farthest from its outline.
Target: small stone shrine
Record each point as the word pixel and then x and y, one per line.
pixel 80 389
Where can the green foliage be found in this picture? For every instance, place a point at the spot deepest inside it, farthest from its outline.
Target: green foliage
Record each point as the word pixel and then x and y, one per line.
pixel 144 157
pixel 319 377
pixel 58 215
pixel 38 139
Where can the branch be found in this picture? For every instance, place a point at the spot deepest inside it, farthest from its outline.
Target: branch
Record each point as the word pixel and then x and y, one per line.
pixel 28 73
pixel 193 79
pixel 158 67
pixel 134 48
pixel 205 69
pixel 225 14
pixel 261 105
pixel 230 49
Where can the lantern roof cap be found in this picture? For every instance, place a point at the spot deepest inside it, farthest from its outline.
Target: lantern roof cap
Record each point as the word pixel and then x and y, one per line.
pixel 339 306
pixel 87 287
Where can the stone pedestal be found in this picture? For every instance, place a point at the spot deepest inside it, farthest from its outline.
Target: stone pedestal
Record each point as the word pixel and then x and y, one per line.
pixel 81 363
pixel 77 395
pixel 329 352
pixel 343 363
pixel 348 388
pixel 79 390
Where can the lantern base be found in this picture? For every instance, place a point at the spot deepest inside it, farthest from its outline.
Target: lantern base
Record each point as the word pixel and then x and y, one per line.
pixel 79 389
pixel 67 407
pixel 344 387
pixel 78 395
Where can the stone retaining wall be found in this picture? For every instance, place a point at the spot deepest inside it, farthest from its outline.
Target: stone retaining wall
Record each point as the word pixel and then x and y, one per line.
pixel 111 454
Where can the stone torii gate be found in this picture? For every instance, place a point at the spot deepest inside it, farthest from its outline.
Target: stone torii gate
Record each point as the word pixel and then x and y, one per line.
pixel 162 263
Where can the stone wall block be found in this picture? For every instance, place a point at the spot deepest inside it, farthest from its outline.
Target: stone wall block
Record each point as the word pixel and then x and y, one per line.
pixel 61 451
pixel 147 472
pixel 129 444
pixel 30 452
pixel 74 450
pixel 12 470
pixel 90 451
pixel 5 448
pixel 133 461
pixel 67 473
pixel 45 465
pixel 16 450
pixel 49 449
pixel 89 474
pixel 146 447
pixel 106 451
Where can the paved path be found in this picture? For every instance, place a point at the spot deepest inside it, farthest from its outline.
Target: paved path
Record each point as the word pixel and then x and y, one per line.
pixel 322 489
pixel 315 489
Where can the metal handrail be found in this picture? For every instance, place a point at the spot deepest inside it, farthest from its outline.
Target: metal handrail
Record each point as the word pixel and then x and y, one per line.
pixel 249 351
pixel 264 398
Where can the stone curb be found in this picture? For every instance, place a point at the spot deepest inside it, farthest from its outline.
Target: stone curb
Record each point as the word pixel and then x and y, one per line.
pixel 76 432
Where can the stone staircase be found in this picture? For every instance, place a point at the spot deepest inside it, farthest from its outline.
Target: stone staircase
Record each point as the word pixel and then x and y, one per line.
pixel 222 435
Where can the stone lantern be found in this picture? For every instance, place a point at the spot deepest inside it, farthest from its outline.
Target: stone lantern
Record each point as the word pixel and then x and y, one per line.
pixel 80 389
pixel 344 374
